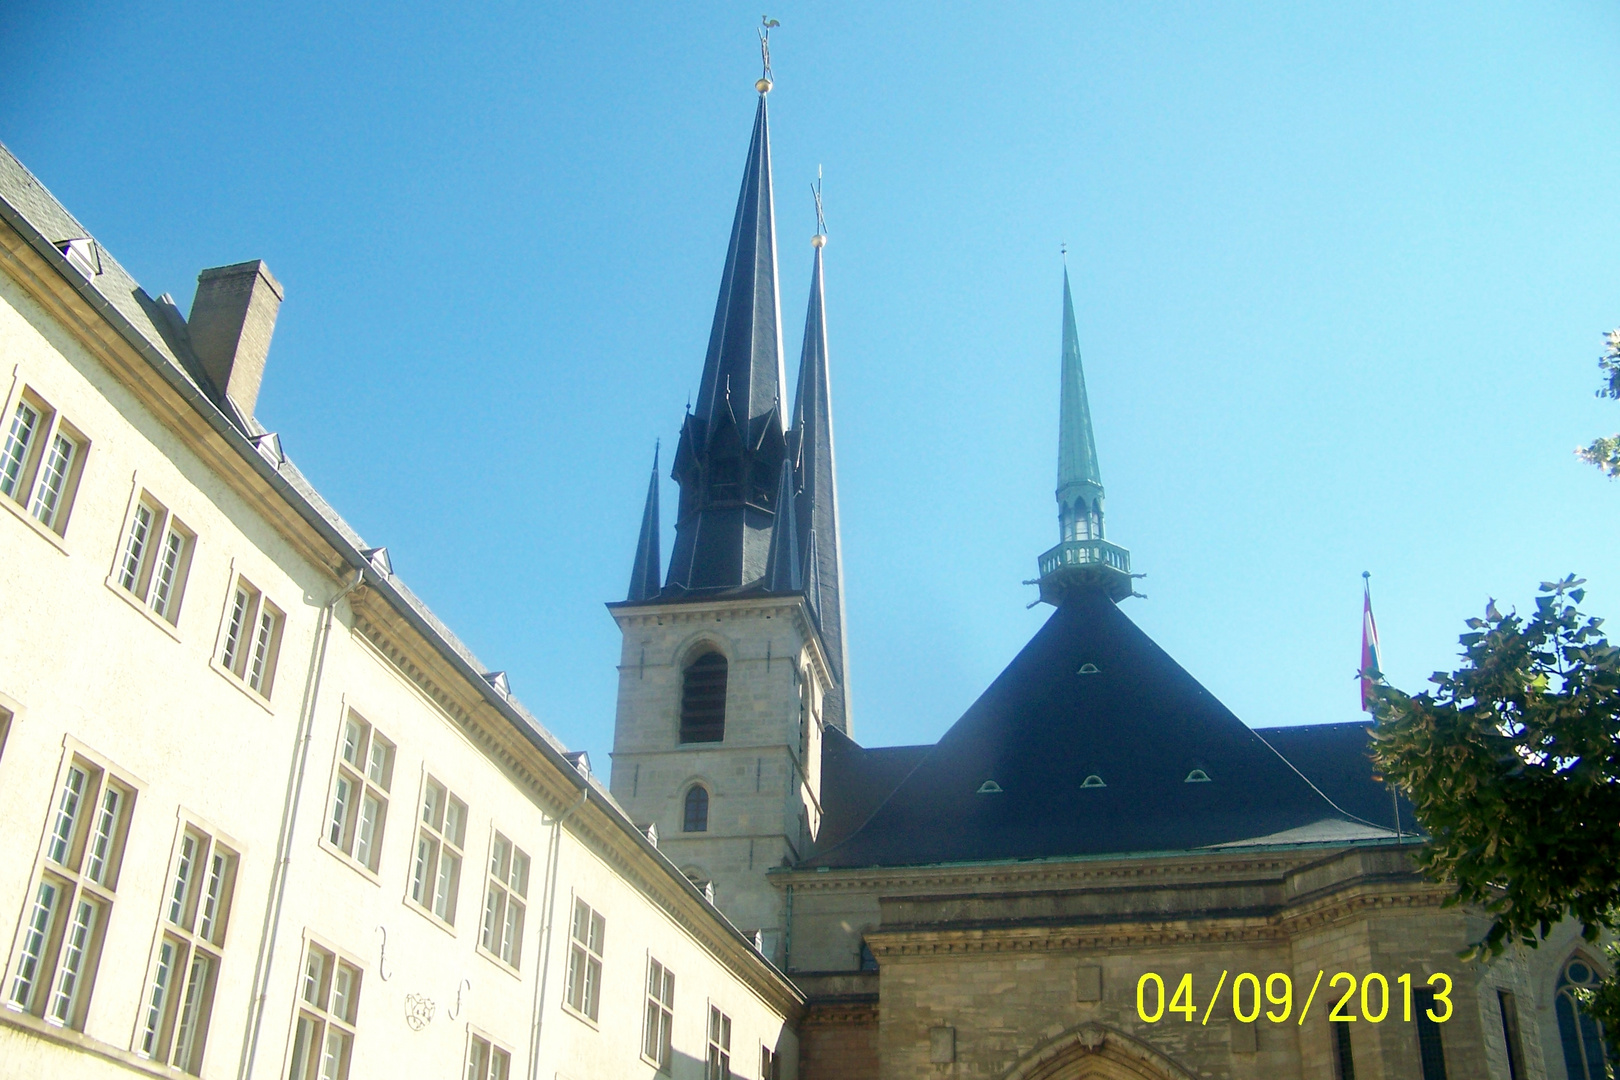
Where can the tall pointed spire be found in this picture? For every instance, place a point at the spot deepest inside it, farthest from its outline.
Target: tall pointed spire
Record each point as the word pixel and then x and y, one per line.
pixel 783 569
pixel 812 446
pixel 733 443
pixel 1083 557
pixel 1077 447
pixel 644 571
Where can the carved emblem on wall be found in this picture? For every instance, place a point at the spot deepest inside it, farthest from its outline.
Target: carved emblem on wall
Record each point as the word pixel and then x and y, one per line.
pixel 418 1011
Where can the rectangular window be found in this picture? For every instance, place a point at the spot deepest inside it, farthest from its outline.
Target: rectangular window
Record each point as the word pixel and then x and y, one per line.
pixel 59 945
pixel 1431 1052
pixel 5 729
pixel 1509 1007
pixel 1344 1064
pixel 583 992
pixel 252 640
pixel 436 867
pixel 40 462
pixel 156 558
pixel 660 1020
pixel 323 1026
pixel 180 994
pixel 504 901
pixel 770 1064
pixel 364 775
pixel 16 458
pixel 719 1045
pixel 486 1061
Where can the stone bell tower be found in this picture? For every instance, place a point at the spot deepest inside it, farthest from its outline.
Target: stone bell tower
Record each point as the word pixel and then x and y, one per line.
pixel 732 666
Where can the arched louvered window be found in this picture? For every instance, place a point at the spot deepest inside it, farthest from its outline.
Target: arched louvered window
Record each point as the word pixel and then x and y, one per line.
pixel 697 810
pixel 703 700
pixel 1584 1051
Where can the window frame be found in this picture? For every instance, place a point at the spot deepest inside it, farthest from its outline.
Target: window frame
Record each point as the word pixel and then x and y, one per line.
pixel 319 1015
pixel 361 788
pixel 478 1038
pixel 686 808
pixel 658 1006
pixel 501 941
pixel 138 584
pixel 26 477
pixel 237 652
pixel 189 882
pixel 583 997
pixel 700 728
pixel 717 1045
pixel 422 890
pixel 73 884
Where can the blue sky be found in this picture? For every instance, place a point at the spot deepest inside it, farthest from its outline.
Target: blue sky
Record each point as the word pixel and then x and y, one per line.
pixel 1341 274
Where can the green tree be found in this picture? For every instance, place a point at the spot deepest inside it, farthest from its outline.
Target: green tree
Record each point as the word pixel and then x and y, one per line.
pixel 1513 765
pixel 1605 452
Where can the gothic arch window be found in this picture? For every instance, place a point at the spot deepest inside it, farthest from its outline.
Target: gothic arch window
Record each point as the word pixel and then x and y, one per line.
pixel 1584 1052
pixel 703 699
pixel 697 809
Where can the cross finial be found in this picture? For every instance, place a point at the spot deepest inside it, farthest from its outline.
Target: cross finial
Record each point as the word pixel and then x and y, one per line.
pixel 766 23
pixel 820 239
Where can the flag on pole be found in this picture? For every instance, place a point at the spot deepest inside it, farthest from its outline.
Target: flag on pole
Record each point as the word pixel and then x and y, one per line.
pixel 1370 668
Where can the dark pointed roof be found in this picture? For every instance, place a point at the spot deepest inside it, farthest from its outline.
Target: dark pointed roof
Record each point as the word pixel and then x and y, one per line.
pixel 783 568
pixel 744 362
pixel 1092 696
pixel 732 445
pixel 644 576
pixel 1337 758
pixel 812 444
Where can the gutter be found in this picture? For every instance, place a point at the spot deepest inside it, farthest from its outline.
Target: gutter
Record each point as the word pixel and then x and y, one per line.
pixel 553 860
pixel 289 820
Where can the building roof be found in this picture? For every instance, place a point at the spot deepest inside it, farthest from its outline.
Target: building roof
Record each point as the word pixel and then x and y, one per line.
pixel 1093 741
pixel 1337 759
pixel 855 780
pixel 731 447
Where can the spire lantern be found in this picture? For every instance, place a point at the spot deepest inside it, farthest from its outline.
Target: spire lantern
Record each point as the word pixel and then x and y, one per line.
pixel 1082 558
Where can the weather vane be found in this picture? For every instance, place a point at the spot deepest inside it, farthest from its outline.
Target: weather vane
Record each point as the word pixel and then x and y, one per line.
pixel 765 25
pixel 820 239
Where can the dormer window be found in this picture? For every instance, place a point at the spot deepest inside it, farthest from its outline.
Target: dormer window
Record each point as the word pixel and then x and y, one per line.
pixel 703 700
pixel 989 787
pixel 1197 776
pixel 1093 781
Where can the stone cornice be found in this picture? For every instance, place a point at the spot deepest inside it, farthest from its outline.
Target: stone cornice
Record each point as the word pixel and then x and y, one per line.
pixel 1355 900
pixel 793 606
pixel 158 387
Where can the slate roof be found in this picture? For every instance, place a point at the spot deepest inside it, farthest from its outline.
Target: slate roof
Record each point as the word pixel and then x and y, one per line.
pixel 855 780
pixel 1336 758
pixel 1139 722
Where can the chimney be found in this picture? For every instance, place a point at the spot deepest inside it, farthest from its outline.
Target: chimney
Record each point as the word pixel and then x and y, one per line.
pixel 232 318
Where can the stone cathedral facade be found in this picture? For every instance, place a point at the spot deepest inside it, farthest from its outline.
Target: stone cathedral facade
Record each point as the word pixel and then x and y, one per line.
pixel 1000 904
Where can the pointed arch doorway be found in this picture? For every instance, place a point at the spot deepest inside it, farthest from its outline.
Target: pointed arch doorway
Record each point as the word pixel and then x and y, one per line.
pixel 1093 1052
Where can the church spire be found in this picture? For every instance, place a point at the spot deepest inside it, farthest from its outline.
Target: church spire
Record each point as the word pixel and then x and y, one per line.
pixel 644 571
pixel 1083 557
pixel 733 444
pixel 812 444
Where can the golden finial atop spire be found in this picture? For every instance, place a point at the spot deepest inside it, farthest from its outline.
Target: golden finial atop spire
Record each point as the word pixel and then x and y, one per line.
pixel 764 84
pixel 820 239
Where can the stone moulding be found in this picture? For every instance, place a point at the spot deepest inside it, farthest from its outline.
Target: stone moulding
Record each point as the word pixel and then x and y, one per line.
pixel 1095 1052
pixel 946 941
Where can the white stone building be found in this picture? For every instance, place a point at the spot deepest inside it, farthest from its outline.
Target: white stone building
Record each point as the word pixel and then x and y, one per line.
pixel 264 816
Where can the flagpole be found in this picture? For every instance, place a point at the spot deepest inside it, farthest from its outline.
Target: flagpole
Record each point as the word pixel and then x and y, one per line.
pixel 1369 627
